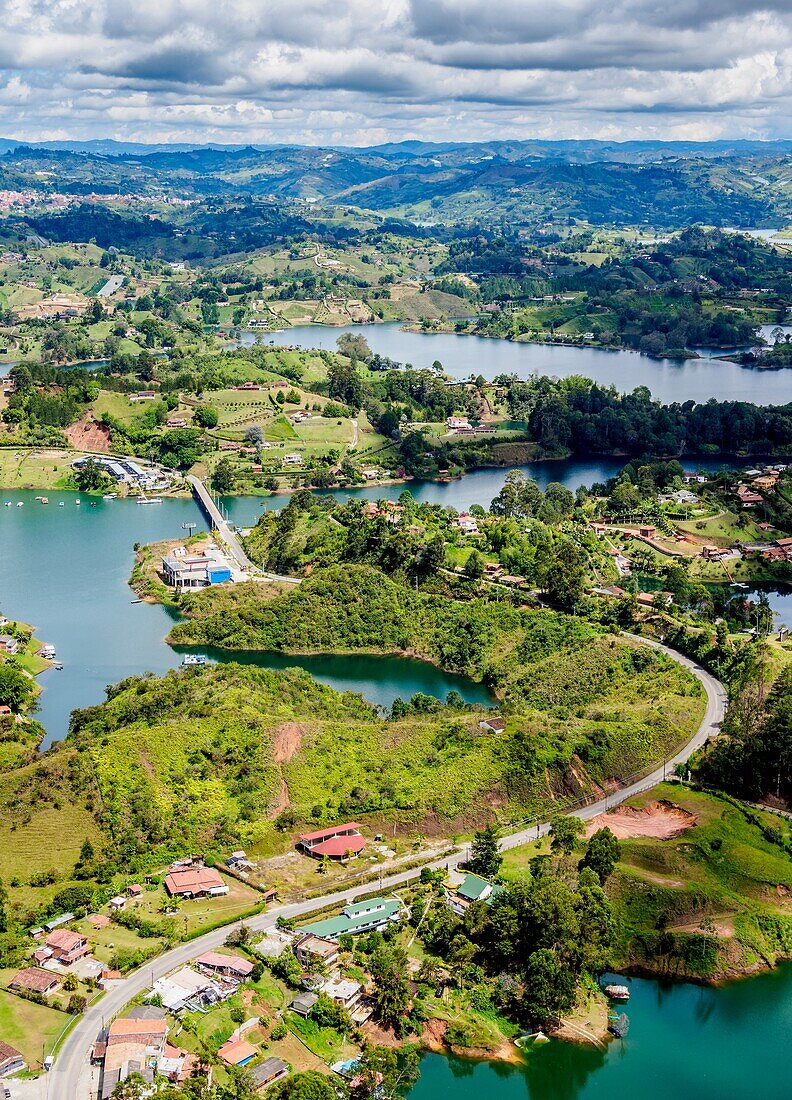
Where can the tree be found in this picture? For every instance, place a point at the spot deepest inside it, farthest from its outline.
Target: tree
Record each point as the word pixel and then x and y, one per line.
pixel 16 689
pixel 391 995
pixel 549 987
pixel 91 477
pixel 224 477
pixel 485 858
pixel 254 435
pixel 474 566
pixel 133 1087
pixel 564 832
pixel 566 578
pixel 310 1085
pixel 602 853
pixel 206 416
pixel 381 1071
pixel 353 344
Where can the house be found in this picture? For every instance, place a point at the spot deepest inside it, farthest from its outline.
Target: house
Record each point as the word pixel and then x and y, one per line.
pixel 698 479
pixel 651 599
pixel 292 460
pixel 152 1032
pixel 135 890
pixel 132 1046
pixel 309 948
pixel 343 991
pixel 230 966
pixel 9 644
pixel 361 916
pixel 466 523
pixel 457 423
pixel 5 710
pixel 303 1003
pixel 175 422
pixel 494 725
pixel 270 1071
pixel 647 531
pixel 143 395
pixel 196 882
pixel 176 1065
pixel 237 860
pixel 117 903
pixel 66 947
pixel 11 1061
pixel 471 888
pixel 185 986
pixel 338 842
pixel 34 980
pixel 237 1052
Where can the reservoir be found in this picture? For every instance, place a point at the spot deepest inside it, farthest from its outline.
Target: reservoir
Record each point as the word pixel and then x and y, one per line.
pixel 701 1042
pixel 462 356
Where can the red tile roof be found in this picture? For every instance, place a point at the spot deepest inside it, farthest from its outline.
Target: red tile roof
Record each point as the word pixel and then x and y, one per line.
pixel 236 1051
pixel 193 880
pixel 64 940
pixel 334 831
pixel 215 961
pixel 39 981
pixel 340 845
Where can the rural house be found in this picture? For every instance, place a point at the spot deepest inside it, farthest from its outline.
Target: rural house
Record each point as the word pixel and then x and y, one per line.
pixel 195 882
pixel 338 842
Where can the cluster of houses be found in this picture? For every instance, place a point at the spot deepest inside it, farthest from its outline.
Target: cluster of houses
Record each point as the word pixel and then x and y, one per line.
pixel 125 471
pixel 754 483
pixel 137 1044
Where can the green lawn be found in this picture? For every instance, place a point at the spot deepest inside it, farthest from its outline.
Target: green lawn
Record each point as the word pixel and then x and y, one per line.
pixel 30 1027
pixel 27 468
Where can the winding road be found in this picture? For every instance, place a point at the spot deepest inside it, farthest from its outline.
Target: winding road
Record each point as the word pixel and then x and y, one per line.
pixel 69 1078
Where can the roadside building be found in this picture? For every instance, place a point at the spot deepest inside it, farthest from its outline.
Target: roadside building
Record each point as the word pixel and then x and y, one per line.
pixel 471 888
pixel 362 916
pixel 229 966
pixel 339 842
pixel 184 987
pixel 309 948
pixel 195 882
pixel 64 947
pixel 11 1060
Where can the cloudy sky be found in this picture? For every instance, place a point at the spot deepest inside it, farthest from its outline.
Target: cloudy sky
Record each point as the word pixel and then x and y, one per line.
pixel 363 71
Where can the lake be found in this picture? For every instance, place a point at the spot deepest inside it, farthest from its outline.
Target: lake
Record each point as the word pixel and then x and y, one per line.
pixel 685 1041
pixel 462 356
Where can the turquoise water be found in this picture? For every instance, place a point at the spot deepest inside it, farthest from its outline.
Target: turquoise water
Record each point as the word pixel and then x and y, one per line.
pixel 65 570
pixel 685 1042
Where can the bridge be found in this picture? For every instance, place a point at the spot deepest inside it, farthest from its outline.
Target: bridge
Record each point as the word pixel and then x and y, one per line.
pixel 227 534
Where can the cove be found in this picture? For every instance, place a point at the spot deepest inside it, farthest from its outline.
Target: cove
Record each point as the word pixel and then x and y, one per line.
pixel 685 1041
pixel 462 356
pixel 65 570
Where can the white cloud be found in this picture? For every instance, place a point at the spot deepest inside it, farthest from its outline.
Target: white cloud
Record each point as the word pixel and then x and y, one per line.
pixel 356 71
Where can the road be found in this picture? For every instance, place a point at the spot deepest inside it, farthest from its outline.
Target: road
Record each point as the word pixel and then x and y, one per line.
pixel 63 1081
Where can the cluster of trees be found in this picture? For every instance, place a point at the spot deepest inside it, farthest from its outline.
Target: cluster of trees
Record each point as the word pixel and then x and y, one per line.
pixel 545 931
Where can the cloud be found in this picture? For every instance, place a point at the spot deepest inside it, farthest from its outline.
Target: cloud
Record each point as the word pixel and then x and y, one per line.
pixel 356 71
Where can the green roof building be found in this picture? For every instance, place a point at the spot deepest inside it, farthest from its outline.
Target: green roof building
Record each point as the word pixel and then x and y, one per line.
pixel 360 916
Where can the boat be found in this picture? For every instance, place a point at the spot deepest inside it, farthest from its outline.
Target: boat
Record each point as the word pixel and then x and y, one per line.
pixel 39 498
pixel 77 501
pixel 94 503
pixel 617 992
pixel 20 503
pixel 193 659
pixel 8 504
pixel 532 1039
pixel 58 666
pixel 45 500
pixel 47 652
pixel 142 499
pixel 61 504
pixel 109 496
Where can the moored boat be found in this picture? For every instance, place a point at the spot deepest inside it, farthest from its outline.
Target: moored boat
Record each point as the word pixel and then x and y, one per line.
pixel 193 659
pixel 617 992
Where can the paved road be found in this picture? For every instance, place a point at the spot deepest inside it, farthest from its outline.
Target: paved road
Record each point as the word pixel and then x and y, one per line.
pixel 64 1079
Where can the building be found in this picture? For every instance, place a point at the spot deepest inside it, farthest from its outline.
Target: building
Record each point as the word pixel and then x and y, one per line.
pixel 195 882
pixel 458 423
pixel 237 1052
pixel 361 916
pixel 9 644
pixel 292 460
pixel 117 903
pixel 270 1071
pixel 11 1060
pixel 467 523
pixel 343 991
pixel 185 987
pixel 647 531
pixel 64 947
pixel 230 966
pixel 131 1046
pixel 303 1003
pixel 135 890
pixel 471 888
pixel 175 422
pixel 237 860
pixel 143 395
pixel 34 980
pixel 309 948
pixel 339 842
pixel 496 724
pixel 183 570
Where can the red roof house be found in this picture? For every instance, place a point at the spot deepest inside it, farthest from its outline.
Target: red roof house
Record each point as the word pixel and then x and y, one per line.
pixel 67 947
pixel 233 966
pixel 338 842
pixel 195 882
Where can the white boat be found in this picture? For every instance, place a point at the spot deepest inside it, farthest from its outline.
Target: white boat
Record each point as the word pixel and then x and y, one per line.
pixel 20 503
pixel 109 496
pixel 47 652
pixel 617 992
pixel 45 500
pixel 8 504
pixel 193 659
pixel 61 504
pixel 149 500
pixel 77 501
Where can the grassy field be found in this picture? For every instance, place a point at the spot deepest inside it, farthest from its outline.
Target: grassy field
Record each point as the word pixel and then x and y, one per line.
pixel 119 406
pixel 200 913
pixel 24 468
pixel 31 1028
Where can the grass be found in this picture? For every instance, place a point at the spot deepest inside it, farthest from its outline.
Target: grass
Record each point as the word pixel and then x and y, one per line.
pixel 193 916
pixel 119 406
pixel 25 468
pixel 32 1028
pixel 325 1042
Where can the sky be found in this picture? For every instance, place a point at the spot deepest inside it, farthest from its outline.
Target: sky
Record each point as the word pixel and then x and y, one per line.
pixel 360 72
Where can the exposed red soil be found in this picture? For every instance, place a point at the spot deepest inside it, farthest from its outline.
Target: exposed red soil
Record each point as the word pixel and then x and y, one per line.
pixel 661 820
pixel 286 742
pixel 87 435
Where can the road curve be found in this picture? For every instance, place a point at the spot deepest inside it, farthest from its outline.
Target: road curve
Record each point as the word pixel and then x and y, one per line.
pixel 63 1081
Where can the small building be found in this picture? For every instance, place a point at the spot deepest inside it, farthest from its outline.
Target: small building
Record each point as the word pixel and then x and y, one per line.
pixel 266 1074
pixel 184 987
pixel 361 916
pixel 230 966
pixel 467 523
pixel 135 890
pixel 175 422
pixel 496 724
pixel 11 1060
pixel 292 460
pixel 339 842
pixel 196 882
pixel 343 991
pixel 237 860
pixel 117 903
pixel 457 423
pixel 143 395
pixel 9 644
pixel 647 531
pixel 34 980
pixel 309 948
pixel 471 888
pixel 303 1003
pixel 237 1052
